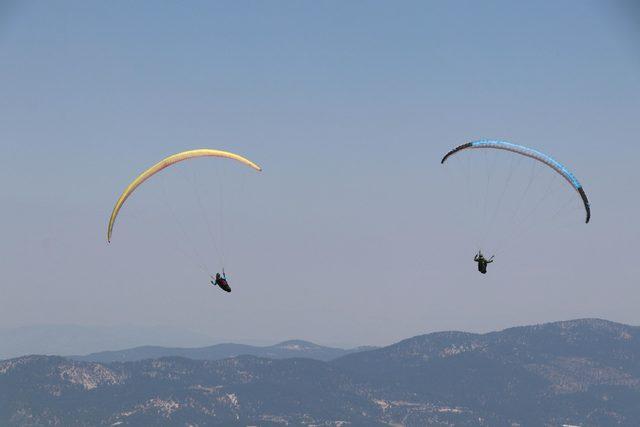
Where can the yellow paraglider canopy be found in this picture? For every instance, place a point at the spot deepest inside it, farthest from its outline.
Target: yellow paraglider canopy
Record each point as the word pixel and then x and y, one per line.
pixel 176 158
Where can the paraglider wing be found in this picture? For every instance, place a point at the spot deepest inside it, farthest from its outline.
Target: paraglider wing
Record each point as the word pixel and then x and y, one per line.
pixel 534 154
pixel 171 160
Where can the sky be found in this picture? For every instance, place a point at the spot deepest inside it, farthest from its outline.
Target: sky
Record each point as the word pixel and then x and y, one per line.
pixel 352 234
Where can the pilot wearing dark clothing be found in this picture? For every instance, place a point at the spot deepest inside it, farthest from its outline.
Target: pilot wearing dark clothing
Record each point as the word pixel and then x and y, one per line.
pixel 482 262
pixel 222 282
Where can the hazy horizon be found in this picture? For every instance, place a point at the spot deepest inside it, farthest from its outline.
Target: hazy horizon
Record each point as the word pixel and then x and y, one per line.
pixel 347 235
pixel 80 340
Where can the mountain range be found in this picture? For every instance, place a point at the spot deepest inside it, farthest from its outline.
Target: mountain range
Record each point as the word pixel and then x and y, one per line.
pixel 582 372
pixel 283 350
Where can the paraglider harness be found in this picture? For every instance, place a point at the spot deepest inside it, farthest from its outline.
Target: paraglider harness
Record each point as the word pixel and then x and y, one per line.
pixel 482 262
pixel 221 281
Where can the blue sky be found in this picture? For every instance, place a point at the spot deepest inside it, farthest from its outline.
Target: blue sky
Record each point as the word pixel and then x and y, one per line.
pixel 346 237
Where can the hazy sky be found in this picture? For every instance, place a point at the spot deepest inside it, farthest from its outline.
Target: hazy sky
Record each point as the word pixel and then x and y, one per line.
pixel 348 236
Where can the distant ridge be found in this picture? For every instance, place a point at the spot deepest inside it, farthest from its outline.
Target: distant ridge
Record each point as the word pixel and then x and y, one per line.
pixel 283 350
pixel 66 339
